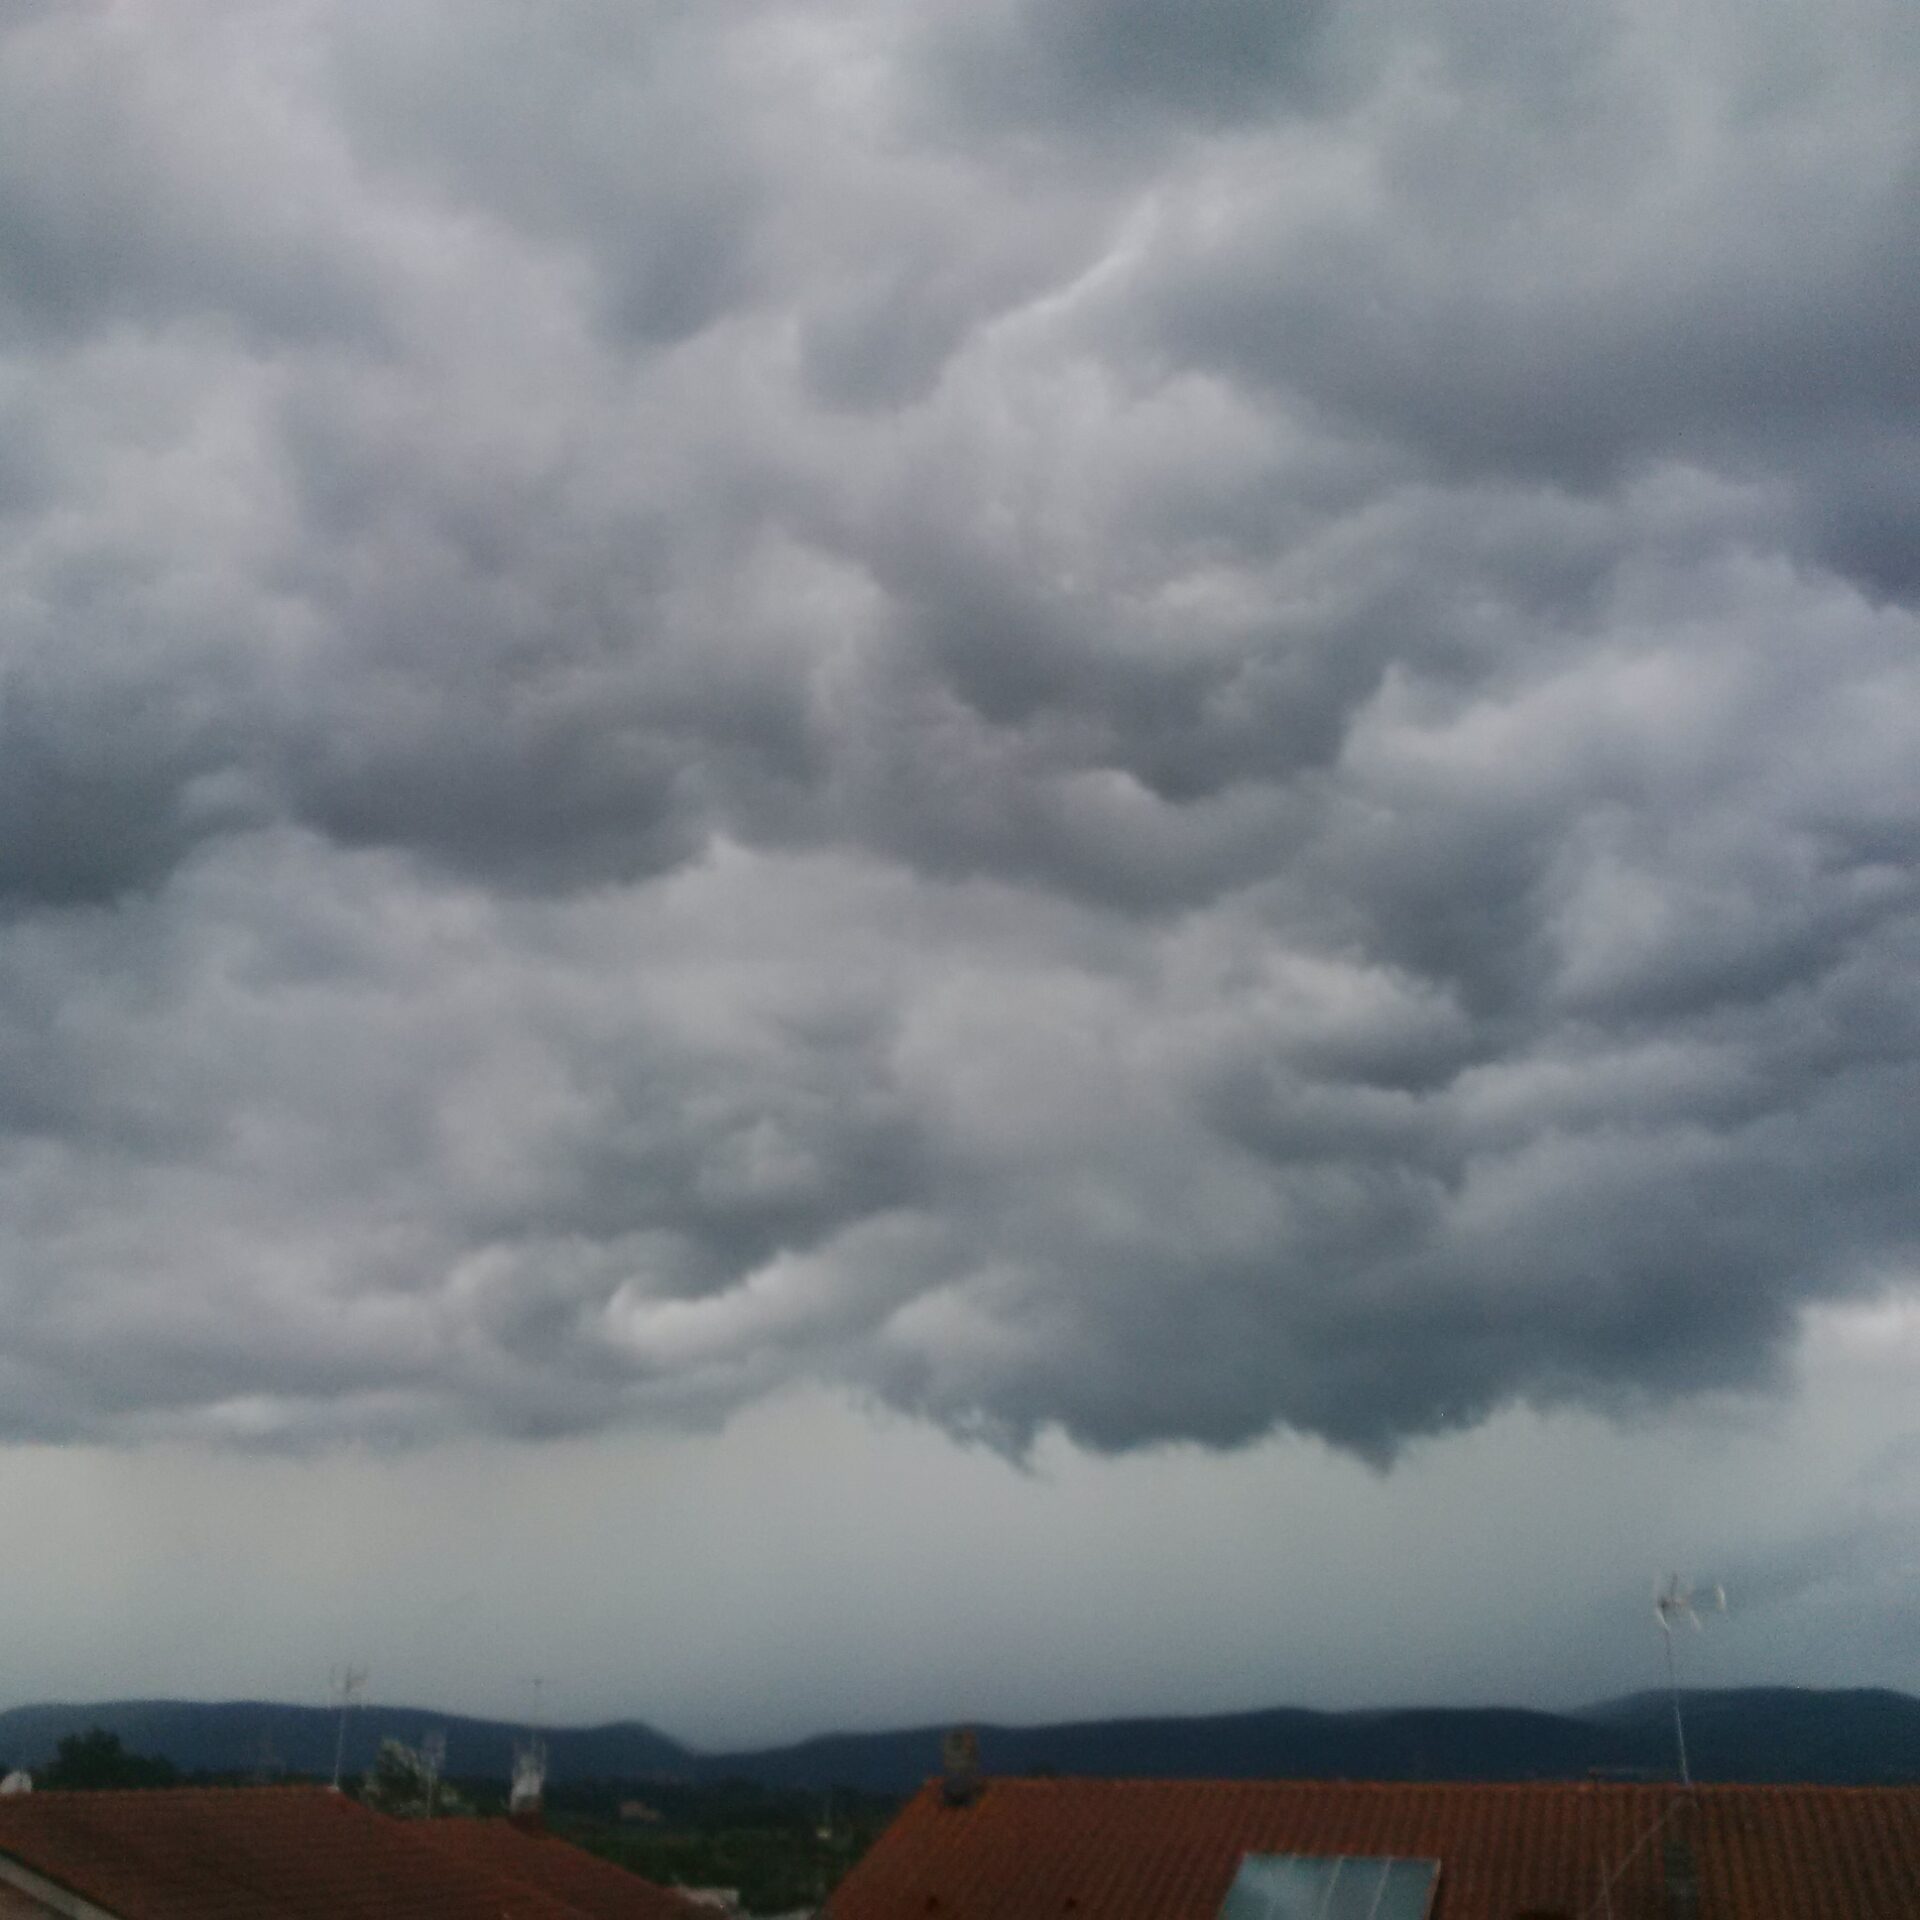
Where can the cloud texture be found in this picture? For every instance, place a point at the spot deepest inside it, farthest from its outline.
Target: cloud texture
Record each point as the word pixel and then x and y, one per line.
pixel 1067 717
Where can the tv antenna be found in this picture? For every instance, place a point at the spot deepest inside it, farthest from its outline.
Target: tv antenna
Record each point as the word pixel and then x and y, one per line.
pixel 349 1683
pixel 529 1775
pixel 1674 1607
pixel 433 1757
pixel 529 1763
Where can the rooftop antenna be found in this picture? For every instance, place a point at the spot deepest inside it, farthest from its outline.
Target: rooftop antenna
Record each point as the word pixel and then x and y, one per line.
pixel 529 1764
pixel 1673 1607
pixel 349 1683
pixel 433 1756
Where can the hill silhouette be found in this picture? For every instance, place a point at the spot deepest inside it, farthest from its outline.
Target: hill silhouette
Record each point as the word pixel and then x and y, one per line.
pixel 1857 1736
pixel 267 1738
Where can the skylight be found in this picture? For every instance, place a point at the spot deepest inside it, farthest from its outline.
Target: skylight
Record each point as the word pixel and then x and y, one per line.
pixel 1345 1886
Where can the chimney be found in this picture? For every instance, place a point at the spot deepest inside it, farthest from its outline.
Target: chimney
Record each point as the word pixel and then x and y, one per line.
pixel 960 1763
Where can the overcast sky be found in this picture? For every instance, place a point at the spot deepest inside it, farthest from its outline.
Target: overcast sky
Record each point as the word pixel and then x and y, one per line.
pixel 866 861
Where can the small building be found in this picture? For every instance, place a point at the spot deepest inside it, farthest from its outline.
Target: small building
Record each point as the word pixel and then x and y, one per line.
pixel 996 1849
pixel 294 1853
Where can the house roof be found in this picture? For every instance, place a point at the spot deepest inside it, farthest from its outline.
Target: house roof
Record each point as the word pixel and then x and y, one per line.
pixel 586 1883
pixel 265 1853
pixel 1168 1850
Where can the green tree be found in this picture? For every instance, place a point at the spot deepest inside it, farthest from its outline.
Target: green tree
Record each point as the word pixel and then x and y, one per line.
pixel 407 1781
pixel 97 1759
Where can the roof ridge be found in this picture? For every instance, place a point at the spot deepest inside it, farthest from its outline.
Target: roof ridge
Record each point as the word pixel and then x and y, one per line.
pixel 1042 1783
pixel 195 1788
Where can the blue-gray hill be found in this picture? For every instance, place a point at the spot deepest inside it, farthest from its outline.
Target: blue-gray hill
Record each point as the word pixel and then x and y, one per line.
pixel 1756 1734
pixel 267 1738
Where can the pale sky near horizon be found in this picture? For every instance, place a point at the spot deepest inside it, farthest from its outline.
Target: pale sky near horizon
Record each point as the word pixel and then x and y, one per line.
pixel 814 1568
pixel 1008 857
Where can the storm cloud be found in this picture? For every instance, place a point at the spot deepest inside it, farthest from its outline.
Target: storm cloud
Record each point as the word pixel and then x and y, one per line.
pixel 1065 718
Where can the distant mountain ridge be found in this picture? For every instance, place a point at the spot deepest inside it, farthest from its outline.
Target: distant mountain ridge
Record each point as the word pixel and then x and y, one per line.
pixel 1840 1737
pixel 267 1738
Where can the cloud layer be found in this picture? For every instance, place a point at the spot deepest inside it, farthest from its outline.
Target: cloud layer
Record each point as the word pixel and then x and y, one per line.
pixel 1069 720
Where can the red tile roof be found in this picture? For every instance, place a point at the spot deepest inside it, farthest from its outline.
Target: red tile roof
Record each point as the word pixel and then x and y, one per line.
pixel 265 1853
pixel 587 1884
pixel 1168 1850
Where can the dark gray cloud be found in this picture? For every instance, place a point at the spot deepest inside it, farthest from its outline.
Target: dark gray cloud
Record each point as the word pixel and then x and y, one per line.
pixel 1112 72
pixel 1067 718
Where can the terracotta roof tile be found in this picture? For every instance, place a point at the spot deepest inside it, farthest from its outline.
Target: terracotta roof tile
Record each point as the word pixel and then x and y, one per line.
pixel 1168 1850
pixel 254 1853
pixel 590 1885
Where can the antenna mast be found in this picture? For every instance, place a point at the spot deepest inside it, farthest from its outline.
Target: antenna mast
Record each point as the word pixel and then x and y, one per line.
pixel 529 1765
pixel 1673 1606
pixel 433 1756
pixel 348 1682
